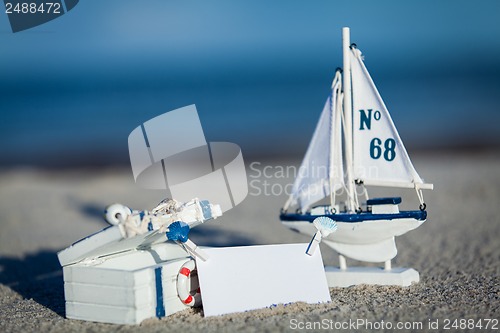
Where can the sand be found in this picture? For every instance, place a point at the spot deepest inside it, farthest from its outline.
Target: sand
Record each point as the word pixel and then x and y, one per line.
pixel 455 251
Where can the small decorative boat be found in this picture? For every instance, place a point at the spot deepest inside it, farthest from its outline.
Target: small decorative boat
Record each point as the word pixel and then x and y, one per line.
pixel 355 145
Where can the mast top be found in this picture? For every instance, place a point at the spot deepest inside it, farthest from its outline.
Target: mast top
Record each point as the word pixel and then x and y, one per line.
pixel 346 37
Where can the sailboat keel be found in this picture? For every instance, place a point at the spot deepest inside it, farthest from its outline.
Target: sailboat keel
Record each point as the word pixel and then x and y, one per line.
pixel 376 252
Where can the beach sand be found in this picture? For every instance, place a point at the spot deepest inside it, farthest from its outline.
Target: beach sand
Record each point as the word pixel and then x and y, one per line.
pixel 455 251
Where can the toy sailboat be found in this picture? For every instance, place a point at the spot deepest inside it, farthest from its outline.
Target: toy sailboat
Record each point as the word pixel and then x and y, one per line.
pixel 355 144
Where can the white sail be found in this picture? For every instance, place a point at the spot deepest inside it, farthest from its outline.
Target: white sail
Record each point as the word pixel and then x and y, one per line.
pixel 321 170
pixel 380 157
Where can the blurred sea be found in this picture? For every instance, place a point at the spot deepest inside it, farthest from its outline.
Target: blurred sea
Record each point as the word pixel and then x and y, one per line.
pixel 259 72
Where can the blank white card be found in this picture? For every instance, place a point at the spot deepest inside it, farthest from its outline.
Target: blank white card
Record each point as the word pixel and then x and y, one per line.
pixel 237 279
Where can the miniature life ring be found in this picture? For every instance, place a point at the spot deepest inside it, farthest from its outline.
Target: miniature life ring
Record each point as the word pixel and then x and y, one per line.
pixel 184 285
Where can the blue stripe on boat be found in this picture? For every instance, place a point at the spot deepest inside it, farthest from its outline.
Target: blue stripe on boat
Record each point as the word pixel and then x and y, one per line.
pixel 344 217
pixel 160 308
pixel 383 201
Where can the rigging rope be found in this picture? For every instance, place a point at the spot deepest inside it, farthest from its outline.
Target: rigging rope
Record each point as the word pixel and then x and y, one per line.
pixel 420 196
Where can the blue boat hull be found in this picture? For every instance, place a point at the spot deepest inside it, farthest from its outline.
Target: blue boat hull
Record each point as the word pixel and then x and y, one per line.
pixel 361 236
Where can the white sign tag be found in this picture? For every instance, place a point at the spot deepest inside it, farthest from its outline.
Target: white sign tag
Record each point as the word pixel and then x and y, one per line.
pixel 237 279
